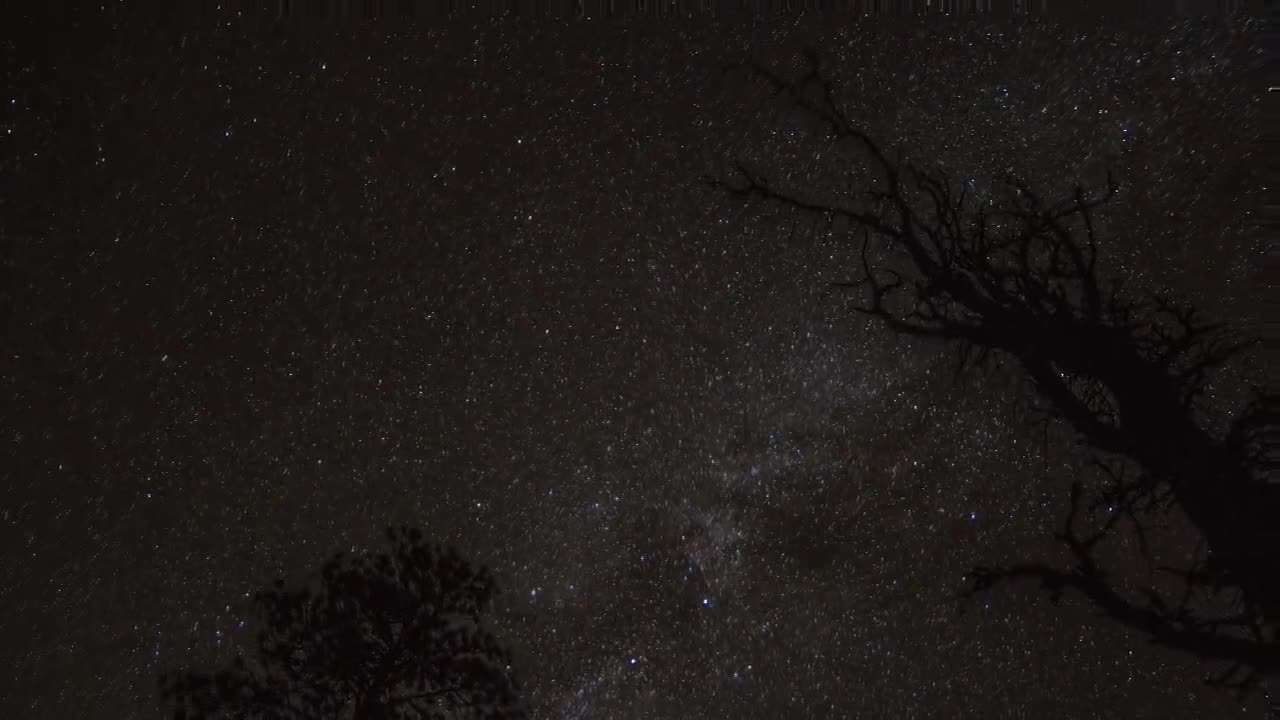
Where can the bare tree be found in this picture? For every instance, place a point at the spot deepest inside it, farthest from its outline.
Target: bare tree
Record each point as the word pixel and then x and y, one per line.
pixel 1015 277
pixel 392 635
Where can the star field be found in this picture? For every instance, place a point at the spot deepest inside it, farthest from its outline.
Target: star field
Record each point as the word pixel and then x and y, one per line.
pixel 274 291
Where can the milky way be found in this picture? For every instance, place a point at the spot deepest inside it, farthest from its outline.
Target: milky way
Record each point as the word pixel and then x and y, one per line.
pixel 273 296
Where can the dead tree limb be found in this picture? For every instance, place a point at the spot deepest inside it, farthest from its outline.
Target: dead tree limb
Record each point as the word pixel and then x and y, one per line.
pixel 1020 279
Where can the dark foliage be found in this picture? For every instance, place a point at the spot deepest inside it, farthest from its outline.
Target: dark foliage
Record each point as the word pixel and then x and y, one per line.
pixel 1015 277
pixel 389 635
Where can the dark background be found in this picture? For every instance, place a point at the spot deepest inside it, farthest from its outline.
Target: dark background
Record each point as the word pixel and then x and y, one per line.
pixel 275 286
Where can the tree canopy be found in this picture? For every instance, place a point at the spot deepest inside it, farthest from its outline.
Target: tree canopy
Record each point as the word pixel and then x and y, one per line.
pixel 388 635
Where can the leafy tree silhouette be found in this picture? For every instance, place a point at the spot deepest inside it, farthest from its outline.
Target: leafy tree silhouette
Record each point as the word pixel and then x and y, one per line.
pixel 391 635
pixel 1016 279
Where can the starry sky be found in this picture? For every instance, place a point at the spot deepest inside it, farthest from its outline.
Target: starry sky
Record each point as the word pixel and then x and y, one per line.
pixel 274 288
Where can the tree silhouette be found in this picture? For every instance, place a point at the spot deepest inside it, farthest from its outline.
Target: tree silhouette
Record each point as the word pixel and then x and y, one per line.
pixel 389 635
pixel 1015 278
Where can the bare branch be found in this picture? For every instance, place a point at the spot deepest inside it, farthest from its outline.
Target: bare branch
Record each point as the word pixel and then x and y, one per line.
pixel 1020 279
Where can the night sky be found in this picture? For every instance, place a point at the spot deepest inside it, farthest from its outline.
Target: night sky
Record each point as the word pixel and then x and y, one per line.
pixel 275 288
